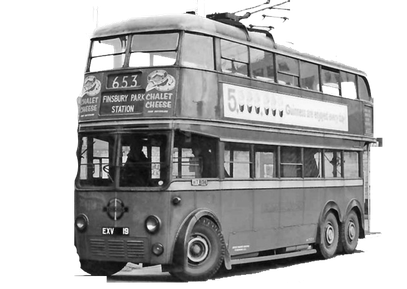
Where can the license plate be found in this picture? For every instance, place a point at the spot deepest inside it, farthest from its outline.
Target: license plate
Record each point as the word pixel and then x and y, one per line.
pixel 115 231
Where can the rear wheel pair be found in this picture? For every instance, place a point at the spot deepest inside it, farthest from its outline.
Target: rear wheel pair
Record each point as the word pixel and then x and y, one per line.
pixel 334 237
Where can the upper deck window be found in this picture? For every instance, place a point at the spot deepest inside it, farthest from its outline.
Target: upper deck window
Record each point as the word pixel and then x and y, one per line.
pixel 108 53
pixel 262 64
pixel 288 70
pixel 153 49
pixel 363 90
pixel 235 57
pixel 309 75
pixel 197 51
pixel 330 81
pixel 348 85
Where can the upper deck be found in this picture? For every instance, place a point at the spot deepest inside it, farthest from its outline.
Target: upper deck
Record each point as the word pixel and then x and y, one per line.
pixel 199 24
pixel 176 91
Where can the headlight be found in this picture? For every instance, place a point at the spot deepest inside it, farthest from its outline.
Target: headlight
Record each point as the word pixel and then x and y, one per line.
pixel 81 222
pixel 152 224
pixel 157 249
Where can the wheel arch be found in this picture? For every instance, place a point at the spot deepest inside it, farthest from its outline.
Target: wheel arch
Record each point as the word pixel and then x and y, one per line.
pixel 333 207
pixel 179 251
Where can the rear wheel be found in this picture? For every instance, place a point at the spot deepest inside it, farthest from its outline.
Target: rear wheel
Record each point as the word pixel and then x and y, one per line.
pixel 350 233
pixel 100 268
pixel 205 252
pixel 329 236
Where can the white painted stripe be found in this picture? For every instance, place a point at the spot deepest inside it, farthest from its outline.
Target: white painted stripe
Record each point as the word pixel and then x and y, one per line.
pixel 264 184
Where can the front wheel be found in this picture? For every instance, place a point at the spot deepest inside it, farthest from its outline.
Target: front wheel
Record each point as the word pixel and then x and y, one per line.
pixel 205 252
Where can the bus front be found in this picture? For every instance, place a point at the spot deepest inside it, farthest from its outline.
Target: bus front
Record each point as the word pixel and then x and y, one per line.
pixel 124 140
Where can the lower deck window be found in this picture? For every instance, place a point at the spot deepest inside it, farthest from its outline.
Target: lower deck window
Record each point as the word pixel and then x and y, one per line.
pixel 237 161
pixel 291 162
pixel 333 164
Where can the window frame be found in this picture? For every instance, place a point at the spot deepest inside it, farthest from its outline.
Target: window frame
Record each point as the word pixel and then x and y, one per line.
pixel 233 60
pixel 272 65
pixel 257 148
pixel 230 169
pixel 338 78
pixel 318 75
pixel 122 53
pixel 193 65
pixel 296 77
pixel 153 52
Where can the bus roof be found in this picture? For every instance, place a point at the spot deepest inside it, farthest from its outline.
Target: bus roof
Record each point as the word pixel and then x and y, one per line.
pixel 199 24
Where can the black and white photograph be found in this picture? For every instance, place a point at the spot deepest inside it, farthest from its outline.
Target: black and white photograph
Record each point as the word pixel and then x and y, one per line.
pixel 204 143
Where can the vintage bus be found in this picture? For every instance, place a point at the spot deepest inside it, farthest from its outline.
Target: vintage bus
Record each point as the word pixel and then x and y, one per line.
pixel 203 144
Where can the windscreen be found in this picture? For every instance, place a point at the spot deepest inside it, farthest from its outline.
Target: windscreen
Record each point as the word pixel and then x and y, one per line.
pixel 153 49
pixel 123 160
pixel 108 53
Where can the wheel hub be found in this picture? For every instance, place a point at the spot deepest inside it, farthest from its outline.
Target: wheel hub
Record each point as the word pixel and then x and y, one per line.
pixel 329 234
pixel 351 231
pixel 198 249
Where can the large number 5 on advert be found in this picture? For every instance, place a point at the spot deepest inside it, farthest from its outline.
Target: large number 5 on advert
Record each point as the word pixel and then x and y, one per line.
pixel 230 98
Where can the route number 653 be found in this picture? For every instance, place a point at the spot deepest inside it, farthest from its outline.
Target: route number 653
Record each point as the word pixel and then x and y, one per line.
pixel 122 81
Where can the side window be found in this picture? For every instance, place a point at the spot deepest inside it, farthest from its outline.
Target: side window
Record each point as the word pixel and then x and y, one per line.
pixel 333 164
pixel 194 156
pixel 348 85
pixel 312 163
pixel 291 162
pixel 262 64
pixel 234 57
pixel 265 162
pixel 309 76
pixel 237 160
pixel 197 51
pixel 330 81
pixel 95 159
pixel 351 164
pixel 287 70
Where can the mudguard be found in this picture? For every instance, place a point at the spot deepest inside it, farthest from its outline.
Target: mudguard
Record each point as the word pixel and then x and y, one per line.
pixel 179 252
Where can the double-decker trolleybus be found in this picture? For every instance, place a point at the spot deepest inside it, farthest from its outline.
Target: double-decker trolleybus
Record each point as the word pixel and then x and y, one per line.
pixel 202 143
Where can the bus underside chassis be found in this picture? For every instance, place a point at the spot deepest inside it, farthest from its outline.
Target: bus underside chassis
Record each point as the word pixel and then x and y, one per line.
pixel 205 252
pixel 338 238
pixel 101 268
pixel 205 247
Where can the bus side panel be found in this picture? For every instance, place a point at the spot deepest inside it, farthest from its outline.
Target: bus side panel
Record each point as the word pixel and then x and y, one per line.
pixel 267 204
pixel 272 218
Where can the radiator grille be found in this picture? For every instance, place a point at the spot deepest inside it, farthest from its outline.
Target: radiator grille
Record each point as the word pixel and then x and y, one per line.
pixel 118 249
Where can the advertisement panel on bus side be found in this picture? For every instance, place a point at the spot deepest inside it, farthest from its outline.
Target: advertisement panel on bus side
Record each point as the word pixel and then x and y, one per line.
pixel 266 106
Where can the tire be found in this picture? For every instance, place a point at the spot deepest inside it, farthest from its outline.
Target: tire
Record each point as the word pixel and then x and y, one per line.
pixel 350 233
pixel 329 236
pixel 100 268
pixel 205 252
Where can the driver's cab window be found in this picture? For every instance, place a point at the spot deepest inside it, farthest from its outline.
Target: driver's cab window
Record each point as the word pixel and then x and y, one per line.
pixel 143 160
pixel 95 157
pixel 194 156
